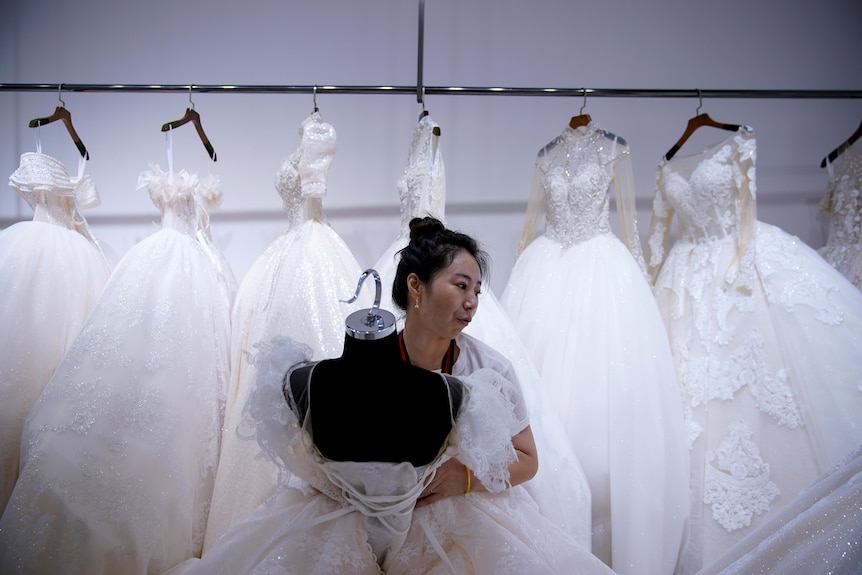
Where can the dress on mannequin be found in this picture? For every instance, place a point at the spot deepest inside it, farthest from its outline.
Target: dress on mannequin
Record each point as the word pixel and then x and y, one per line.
pixel 356 512
pixel 581 301
pixel 292 289
pixel 843 201
pixel 51 274
pixel 766 337
pixel 560 486
pixel 120 450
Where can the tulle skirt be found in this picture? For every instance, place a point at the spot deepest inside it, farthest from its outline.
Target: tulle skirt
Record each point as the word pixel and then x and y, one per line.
pixel 120 450
pixel 590 323
pixel 767 346
pixel 293 289
pixel 50 278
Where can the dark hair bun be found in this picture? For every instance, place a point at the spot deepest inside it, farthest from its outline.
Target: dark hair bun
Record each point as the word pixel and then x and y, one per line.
pixel 426 226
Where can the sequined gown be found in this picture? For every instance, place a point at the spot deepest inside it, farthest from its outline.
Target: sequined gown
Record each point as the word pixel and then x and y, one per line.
pixel 581 301
pixel 843 201
pixel 359 518
pixel 119 452
pixel 560 486
pixel 766 337
pixel 293 289
pixel 51 274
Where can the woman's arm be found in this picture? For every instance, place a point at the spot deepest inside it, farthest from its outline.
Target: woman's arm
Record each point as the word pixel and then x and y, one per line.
pixel 451 477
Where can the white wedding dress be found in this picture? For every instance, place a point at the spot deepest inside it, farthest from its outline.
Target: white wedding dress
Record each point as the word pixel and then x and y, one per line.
pixel 52 271
pixel 843 201
pixel 119 452
pixel 359 518
pixel 580 300
pixel 294 288
pixel 766 336
pixel 560 486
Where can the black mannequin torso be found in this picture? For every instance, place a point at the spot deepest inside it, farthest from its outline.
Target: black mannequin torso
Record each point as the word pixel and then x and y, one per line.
pixel 370 405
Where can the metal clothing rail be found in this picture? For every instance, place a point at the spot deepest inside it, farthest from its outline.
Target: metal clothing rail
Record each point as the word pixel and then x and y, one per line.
pixel 418 90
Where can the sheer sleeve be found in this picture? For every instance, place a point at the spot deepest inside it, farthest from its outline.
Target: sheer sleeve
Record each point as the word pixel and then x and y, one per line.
pixel 742 268
pixel 626 209
pixel 535 210
pixel 487 421
pixel 659 230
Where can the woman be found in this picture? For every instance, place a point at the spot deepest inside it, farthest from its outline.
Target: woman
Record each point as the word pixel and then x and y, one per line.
pixel 462 510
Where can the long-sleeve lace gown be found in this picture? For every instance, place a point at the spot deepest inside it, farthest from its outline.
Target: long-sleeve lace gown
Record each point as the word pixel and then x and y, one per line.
pixel 51 274
pixel 843 201
pixel 119 452
pixel 560 486
pixel 766 337
pixel 294 288
pixel 581 301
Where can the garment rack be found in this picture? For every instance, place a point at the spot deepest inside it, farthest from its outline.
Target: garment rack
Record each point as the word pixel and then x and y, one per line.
pixel 419 90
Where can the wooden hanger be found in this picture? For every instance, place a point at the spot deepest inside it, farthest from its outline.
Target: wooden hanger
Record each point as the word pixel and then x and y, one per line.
pixel 581 119
pixel 436 130
pixel 192 116
pixel 840 149
pixel 698 121
pixel 61 113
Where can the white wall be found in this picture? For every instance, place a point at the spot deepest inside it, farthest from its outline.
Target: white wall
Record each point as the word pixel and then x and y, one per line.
pixel 489 142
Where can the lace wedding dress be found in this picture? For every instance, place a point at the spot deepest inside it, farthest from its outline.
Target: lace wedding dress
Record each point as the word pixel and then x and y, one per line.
pixel 359 517
pixel 843 200
pixel 119 452
pixel 766 336
pixel 294 288
pixel 51 274
pixel 580 300
pixel 560 486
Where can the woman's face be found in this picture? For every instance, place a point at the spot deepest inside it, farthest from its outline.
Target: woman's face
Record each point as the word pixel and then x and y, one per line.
pixel 448 302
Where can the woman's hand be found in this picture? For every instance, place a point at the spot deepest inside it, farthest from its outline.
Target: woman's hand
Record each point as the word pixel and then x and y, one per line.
pixel 450 479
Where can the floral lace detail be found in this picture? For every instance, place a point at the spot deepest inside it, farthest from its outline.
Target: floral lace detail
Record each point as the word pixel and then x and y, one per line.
pixel 422 186
pixel 843 200
pixel 318 150
pixel 287 186
pixel 737 483
pixel 576 174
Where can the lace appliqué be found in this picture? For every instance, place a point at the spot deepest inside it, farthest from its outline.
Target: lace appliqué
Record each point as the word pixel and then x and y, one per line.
pixel 843 200
pixel 737 483
pixel 422 186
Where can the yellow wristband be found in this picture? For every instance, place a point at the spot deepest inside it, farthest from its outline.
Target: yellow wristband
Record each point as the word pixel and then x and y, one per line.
pixel 467 469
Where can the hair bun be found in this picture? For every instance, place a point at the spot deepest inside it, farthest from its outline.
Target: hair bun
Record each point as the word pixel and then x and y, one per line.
pixel 426 226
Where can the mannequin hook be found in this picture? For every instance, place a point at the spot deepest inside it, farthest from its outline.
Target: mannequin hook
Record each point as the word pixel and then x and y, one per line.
pixel 372 313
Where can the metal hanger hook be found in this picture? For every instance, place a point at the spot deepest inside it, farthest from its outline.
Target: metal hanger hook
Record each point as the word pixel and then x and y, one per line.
pixel 699 102
pixel 190 97
pixel 314 101
pixel 60 94
pixel 585 102
pixel 423 98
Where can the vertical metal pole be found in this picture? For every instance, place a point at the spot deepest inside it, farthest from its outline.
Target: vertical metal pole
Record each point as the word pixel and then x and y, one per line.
pixel 419 86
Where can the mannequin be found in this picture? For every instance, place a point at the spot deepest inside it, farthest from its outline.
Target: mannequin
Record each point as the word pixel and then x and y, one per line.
pixel 369 404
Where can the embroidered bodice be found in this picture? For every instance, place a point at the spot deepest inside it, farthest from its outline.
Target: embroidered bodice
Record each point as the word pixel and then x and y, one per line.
pixel 55 197
pixel 844 199
pixel 301 179
pixel 422 186
pixel 571 188
pixel 713 193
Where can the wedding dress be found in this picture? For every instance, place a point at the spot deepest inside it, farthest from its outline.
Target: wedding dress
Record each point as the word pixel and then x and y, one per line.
pixel 766 336
pixel 843 201
pixel 294 288
pixel 560 486
pixel 358 517
pixel 52 271
pixel 119 452
pixel 580 300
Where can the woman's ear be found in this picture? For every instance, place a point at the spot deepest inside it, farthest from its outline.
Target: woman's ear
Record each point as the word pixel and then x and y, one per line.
pixel 414 285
